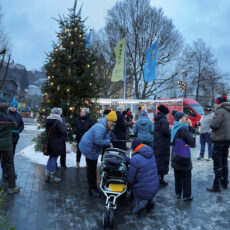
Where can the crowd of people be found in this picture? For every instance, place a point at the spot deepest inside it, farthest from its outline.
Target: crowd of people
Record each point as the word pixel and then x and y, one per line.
pixel 150 159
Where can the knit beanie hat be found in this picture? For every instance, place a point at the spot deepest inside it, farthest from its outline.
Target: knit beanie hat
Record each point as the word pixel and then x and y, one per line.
pixel 14 104
pixel 163 109
pixel 55 111
pixel 137 141
pixel 112 116
pixel 178 115
pixel 144 113
pixel 3 107
pixel 220 100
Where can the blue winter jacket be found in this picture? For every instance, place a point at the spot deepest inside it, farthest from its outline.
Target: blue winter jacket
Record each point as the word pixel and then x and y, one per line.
pixel 95 139
pixel 142 174
pixel 144 129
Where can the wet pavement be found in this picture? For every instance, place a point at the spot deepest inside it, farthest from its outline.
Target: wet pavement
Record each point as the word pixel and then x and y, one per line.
pixel 67 205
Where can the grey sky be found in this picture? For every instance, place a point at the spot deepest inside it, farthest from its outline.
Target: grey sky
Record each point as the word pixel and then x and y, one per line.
pixel 32 29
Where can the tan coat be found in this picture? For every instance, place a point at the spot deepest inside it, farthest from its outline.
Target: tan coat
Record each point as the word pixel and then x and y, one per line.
pixel 220 123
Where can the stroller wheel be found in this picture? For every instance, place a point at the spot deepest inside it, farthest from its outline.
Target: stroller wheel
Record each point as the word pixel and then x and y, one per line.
pixel 111 218
pixel 108 218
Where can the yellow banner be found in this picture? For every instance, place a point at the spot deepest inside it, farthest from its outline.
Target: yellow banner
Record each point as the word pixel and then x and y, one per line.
pixel 118 72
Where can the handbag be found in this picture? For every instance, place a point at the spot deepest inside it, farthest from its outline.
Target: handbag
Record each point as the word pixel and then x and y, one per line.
pixel 45 147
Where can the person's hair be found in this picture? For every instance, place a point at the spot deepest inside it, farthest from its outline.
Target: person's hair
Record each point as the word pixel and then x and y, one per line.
pixel 139 108
pixel 128 109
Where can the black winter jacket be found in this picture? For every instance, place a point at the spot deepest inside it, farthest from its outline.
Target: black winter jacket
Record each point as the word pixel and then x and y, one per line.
pixel 18 119
pixel 6 126
pixel 161 144
pixel 56 139
pixel 120 131
pixel 82 125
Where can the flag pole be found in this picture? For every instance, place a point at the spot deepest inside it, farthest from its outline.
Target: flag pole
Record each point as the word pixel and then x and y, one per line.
pixel 124 93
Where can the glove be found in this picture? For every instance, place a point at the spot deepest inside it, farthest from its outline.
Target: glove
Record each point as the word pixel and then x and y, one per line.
pixel 15 131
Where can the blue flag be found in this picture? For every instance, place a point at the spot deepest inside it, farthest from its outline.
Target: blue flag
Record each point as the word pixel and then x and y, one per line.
pixel 150 63
pixel 88 38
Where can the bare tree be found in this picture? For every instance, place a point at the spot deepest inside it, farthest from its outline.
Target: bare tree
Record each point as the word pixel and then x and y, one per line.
pixel 4 50
pixel 141 24
pixel 200 67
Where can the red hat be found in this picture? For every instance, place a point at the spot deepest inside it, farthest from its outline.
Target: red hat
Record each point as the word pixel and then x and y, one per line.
pixel 220 100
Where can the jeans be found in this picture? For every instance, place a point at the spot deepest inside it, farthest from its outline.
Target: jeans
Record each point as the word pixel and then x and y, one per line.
pixel 205 138
pixel 8 158
pixel 220 164
pixel 51 164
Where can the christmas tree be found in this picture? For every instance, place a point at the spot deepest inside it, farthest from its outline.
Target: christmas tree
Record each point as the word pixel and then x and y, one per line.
pixel 72 81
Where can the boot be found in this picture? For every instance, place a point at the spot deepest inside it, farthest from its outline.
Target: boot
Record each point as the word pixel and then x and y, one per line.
pixel 54 178
pixel 78 165
pixel 140 206
pixel 163 183
pixel 47 175
pixel 150 204
pixel 215 187
pixel 188 198
pixel 13 190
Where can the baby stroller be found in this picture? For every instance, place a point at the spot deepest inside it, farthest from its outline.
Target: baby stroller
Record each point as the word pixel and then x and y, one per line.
pixel 113 181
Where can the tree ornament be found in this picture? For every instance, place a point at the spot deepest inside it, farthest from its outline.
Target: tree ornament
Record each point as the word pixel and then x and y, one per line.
pixel 71 43
pixel 70 57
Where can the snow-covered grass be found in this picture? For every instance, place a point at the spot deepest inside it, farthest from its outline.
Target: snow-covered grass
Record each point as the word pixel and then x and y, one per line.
pixel 38 157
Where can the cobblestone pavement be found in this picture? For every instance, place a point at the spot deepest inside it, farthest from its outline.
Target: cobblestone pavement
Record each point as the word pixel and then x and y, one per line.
pixel 67 206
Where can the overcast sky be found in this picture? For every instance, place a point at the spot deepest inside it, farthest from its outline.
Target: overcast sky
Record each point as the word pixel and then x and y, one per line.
pixel 31 27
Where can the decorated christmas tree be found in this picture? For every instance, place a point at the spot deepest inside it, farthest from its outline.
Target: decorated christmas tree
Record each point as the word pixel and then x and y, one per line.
pixel 72 81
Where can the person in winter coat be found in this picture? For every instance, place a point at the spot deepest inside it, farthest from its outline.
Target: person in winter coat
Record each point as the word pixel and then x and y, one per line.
pixel 142 176
pixel 14 114
pixel 138 114
pixel 120 130
pixel 56 133
pixel 162 143
pixel 82 125
pixel 205 132
pixel 92 143
pixel 182 139
pixel 144 129
pixel 7 124
pixel 129 115
pixel 220 126
pixel 63 155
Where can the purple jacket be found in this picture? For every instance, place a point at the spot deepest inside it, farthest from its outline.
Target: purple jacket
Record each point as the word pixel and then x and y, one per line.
pixel 181 154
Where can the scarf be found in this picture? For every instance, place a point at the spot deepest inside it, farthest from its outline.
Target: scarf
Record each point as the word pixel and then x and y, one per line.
pixel 176 126
pixel 55 117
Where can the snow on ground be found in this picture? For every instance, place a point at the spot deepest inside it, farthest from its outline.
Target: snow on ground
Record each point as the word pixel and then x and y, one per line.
pixel 38 157
pixel 32 128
